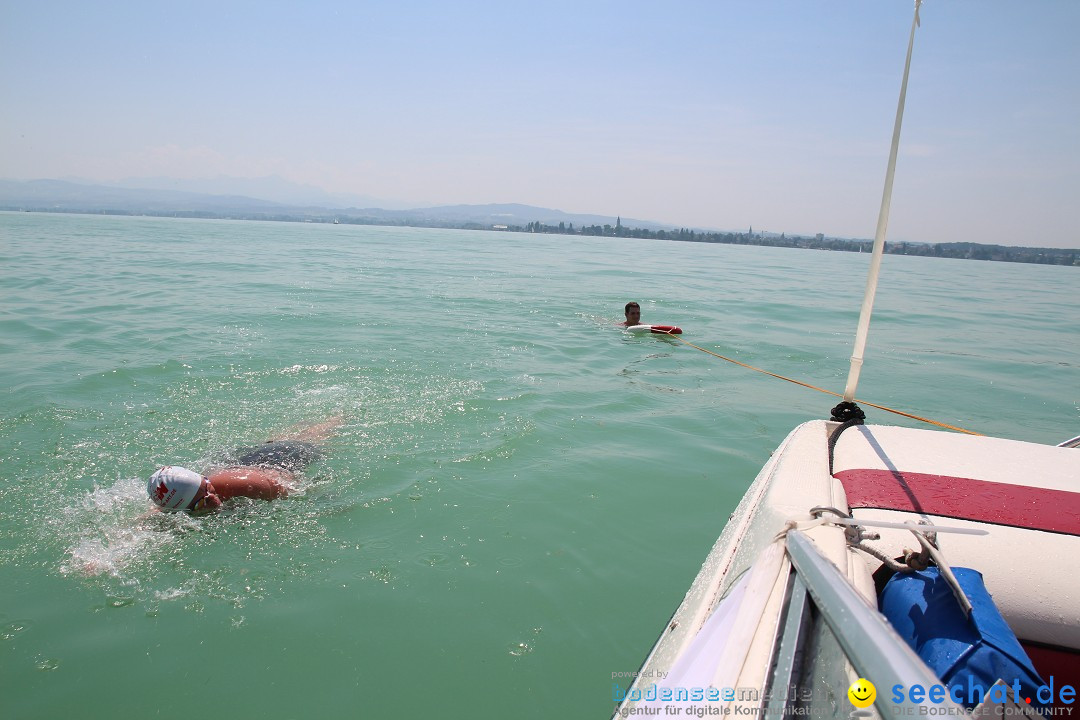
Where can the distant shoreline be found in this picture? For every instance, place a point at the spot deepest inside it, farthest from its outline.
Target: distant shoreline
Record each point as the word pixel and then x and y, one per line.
pixel 956 250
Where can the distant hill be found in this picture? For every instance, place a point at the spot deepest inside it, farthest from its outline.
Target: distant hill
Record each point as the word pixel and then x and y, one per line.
pixel 273 188
pixel 68 196
pixel 510 214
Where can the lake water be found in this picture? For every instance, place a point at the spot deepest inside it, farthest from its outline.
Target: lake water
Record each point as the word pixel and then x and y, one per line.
pixel 521 492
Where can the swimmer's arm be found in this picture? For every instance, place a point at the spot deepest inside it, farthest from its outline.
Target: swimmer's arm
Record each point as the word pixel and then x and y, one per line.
pixel 253 482
pixel 312 433
pixel 152 512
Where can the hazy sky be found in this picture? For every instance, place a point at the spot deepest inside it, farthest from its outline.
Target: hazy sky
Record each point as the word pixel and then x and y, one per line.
pixel 716 114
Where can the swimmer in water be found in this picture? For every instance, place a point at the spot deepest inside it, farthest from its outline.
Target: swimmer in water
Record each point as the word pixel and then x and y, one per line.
pixel 633 314
pixel 264 472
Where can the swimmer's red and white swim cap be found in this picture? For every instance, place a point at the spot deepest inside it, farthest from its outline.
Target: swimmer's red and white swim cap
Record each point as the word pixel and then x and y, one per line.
pixel 173 488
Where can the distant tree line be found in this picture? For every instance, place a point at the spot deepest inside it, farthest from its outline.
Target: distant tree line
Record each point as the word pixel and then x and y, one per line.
pixel 959 250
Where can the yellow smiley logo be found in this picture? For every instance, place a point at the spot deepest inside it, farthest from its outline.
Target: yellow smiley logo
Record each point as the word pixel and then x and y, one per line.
pixel 862 693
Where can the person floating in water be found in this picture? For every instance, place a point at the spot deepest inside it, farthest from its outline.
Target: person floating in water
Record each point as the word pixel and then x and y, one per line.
pixel 633 322
pixel 264 472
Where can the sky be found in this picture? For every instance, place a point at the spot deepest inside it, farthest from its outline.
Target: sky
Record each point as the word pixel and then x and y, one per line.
pixel 775 114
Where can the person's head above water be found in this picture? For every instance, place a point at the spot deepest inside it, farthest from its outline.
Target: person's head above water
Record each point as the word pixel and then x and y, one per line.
pixel 177 488
pixel 633 313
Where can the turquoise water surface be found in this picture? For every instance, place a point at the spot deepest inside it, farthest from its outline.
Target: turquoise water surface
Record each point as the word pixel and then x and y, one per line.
pixel 521 492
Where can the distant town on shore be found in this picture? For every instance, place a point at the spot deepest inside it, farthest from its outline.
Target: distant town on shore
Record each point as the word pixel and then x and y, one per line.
pixel 959 250
pixel 68 197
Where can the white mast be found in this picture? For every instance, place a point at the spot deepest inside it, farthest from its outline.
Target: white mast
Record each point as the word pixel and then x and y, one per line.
pixel 879 237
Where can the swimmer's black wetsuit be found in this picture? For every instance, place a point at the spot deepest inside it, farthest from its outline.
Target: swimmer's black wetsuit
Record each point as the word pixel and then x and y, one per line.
pixel 291 455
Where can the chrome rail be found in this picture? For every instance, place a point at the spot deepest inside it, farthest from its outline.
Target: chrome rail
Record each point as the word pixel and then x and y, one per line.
pixel 872 646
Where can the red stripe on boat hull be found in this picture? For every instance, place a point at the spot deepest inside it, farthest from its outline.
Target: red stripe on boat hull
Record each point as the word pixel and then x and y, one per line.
pixel 1061 663
pixel 979 500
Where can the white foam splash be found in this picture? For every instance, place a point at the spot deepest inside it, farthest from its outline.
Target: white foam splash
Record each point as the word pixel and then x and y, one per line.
pixel 111 530
pixel 114 551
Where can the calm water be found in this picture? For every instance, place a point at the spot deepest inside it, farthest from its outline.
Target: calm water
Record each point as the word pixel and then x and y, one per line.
pixel 521 493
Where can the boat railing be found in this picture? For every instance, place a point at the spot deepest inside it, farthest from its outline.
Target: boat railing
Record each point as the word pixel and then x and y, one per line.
pixel 818 592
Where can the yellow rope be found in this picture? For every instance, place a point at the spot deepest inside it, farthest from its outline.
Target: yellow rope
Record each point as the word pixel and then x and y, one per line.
pixel 827 392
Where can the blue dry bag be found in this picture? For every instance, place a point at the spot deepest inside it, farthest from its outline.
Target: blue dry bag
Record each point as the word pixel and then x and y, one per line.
pixel 968 655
